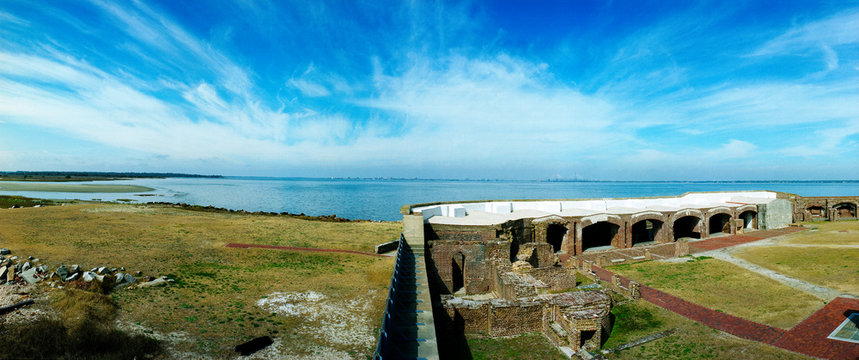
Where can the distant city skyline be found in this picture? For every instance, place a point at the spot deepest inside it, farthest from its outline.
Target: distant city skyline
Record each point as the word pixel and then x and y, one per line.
pixel 616 90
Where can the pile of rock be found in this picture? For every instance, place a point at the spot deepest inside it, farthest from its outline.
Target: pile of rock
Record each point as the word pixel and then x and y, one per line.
pixel 19 270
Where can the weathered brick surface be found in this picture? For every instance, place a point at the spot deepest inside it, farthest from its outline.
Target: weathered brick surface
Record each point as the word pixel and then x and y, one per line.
pixel 732 240
pixel 516 319
pixel 809 337
pixel 804 208
pixel 557 278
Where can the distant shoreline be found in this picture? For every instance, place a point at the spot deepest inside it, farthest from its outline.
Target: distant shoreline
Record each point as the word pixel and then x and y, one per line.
pixel 66 176
pixel 71 188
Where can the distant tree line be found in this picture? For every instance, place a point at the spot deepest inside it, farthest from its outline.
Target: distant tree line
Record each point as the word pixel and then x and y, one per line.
pixel 97 174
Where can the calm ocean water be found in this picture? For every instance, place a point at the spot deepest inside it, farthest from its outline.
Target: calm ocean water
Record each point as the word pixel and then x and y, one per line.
pixel 382 199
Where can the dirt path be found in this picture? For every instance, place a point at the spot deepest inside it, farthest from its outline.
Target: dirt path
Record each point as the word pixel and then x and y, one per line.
pixel 818 291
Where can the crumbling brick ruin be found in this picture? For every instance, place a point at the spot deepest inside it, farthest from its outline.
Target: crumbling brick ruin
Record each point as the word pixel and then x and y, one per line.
pixel 825 208
pixel 509 267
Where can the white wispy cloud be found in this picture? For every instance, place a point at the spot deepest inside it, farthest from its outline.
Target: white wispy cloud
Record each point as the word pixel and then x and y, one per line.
pixel 499 105
pixel 172 94
pixel 839 29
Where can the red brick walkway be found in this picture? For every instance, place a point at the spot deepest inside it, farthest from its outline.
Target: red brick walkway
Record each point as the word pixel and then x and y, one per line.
pixel 808 337
pixel 732 240
pixel 293 248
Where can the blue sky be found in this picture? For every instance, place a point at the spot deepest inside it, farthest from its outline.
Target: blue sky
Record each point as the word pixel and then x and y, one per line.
pixel 504 89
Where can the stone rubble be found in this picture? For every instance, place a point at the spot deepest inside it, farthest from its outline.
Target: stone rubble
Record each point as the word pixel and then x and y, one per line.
pixel 26 270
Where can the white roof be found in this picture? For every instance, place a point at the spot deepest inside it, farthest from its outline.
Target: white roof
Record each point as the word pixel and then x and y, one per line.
pixel 498 212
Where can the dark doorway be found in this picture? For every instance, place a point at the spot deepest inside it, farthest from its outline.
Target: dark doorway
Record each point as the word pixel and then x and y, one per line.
pixel 598 236
pixel 555 236
pixel 845 211
pixel 458 273
pixel 686 227
pixel 644 232
pixel 750 219
pixel 817 211
pixel 720 223
pixel 586 336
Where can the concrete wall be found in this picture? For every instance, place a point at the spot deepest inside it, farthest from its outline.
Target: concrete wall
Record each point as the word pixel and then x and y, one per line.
pixel 775 214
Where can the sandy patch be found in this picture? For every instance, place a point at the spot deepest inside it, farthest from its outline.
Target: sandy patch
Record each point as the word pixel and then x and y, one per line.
pixel 337 321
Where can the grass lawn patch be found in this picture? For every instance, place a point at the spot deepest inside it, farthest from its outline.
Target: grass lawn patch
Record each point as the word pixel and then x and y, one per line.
pixel 215 301
pixel 692 341
pixel 831 267
pixel 527 346
pixel 827 233
pixel 723 286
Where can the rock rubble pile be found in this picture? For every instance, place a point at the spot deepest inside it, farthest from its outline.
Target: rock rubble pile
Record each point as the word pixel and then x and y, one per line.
pixel 29 270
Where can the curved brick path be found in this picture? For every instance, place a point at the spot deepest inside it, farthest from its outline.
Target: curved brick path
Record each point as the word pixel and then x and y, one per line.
pixel 809 337
pixel 294 248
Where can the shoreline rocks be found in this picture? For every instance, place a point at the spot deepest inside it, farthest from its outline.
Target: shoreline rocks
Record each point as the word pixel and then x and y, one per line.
pixel 20 270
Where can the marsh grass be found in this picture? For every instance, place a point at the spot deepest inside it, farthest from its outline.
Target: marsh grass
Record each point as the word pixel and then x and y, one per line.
pixel 21 201
pixel 73 188
pixel 722 286
pixel 213 298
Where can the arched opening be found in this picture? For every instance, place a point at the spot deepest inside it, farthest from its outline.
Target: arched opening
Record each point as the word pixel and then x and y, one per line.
pixel 750 219
pixel 845 211
pixel 687 227
pixel 598 236
pixel 720 224
pixel 555 235
pixel 817 211
pixel 458 272
pixel 644 232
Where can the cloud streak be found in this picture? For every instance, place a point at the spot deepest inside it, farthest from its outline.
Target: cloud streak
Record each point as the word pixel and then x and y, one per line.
pixel 422 101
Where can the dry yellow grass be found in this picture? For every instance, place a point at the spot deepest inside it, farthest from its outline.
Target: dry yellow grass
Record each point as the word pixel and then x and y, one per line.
pixel 828 233
pixel 726 287
pixel 831 267
pixel 816 256
pixel 214 298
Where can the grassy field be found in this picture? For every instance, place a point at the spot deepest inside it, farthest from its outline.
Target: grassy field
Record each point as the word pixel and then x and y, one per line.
pixel 524 347
pixel 725 287
pixel 827 233
pixel 814 256
pixel 638 319
pixel 72 188
pixel 313 304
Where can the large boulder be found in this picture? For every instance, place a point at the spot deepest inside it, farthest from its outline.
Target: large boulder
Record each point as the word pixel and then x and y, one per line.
pixel 88 276
pixel 30 276
pixel 5 251
pixel 62 272
pixel 129 279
